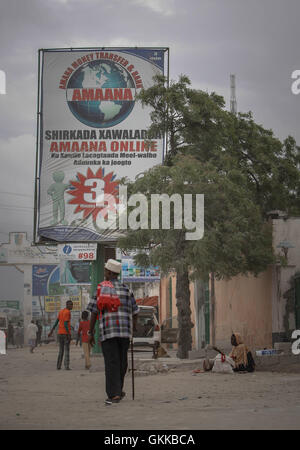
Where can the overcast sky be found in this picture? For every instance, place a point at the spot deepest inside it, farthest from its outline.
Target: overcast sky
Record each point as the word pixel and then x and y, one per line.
pixel 257 40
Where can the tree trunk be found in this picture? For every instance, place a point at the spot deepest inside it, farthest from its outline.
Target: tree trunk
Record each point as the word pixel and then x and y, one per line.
pixel 184 315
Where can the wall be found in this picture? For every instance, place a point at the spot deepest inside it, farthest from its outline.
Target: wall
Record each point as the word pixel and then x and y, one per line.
pixel 244 305
pixel 141 290
pixel 168 308
pixel 283 318
pixel 12 288
pixel 258 308
pixel 200 307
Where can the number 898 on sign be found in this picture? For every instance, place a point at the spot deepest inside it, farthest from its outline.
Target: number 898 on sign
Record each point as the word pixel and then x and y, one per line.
pixel 86 255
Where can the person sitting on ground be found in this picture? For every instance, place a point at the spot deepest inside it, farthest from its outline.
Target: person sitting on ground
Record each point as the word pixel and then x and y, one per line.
pixel 241 355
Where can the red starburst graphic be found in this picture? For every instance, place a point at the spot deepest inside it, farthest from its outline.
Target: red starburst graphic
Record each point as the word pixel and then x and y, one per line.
pixel 94 193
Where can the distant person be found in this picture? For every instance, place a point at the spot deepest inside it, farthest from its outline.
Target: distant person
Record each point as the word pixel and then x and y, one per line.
pixel 32 330
pixel 18 334
pixel 76 328
pixel 83 329
pixel 39 334
pixel 10 334
pixel 64 335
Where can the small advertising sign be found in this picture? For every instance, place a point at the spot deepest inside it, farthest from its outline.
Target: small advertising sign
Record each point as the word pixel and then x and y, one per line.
pixel 132 273
pixel 52 303
pixel 11 304
pixel 80 252
pixel 76 302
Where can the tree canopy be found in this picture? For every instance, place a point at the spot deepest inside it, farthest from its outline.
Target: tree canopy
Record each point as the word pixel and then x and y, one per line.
pixel 196 123
pixel 242 170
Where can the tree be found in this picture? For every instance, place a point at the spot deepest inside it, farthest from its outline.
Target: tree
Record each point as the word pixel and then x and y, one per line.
pixel 196 123
pixel 193 121
pixel 271 166
pixel 235 239
pixel 242 169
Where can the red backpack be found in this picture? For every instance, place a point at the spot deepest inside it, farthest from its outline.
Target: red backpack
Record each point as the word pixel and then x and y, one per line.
pixel 107 298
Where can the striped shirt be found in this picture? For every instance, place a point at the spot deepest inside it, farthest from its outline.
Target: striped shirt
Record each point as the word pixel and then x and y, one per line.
pixel 119 323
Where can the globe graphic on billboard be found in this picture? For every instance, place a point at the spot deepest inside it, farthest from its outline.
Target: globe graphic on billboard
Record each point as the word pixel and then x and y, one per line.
pixel 101 93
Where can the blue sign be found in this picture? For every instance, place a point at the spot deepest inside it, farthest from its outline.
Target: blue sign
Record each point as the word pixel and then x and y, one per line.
pixel 43 275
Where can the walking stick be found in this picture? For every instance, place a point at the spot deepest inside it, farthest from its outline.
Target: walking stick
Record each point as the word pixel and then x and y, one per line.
pixel 132 368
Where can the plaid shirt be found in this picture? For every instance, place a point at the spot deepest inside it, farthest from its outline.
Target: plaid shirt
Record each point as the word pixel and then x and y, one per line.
pixel 119 323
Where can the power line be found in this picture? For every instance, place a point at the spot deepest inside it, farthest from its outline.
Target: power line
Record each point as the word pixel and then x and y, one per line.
pixel 14 193
pixel 16 208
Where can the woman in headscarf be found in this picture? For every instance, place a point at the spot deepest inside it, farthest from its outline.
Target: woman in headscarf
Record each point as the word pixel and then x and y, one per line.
pixel 241 355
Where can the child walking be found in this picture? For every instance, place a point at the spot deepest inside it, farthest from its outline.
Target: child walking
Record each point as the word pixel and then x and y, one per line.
pixel 84 326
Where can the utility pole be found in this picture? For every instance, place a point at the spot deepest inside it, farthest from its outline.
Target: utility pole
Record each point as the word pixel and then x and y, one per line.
pixel 233 107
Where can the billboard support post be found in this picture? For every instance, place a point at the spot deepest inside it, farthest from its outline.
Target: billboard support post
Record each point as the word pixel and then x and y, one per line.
pixel 97 276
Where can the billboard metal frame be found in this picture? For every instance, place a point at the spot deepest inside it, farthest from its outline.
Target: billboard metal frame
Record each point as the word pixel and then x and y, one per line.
pixel 37 240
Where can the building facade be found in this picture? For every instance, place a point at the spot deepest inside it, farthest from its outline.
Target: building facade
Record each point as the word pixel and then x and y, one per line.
pixel 263 309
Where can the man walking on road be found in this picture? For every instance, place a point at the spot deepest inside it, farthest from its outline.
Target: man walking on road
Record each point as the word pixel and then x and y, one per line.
pixel 115 328
pixel 32 329
pixel 39 334
pixel 64 335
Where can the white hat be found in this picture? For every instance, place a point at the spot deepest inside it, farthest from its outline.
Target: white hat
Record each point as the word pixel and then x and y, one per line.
pixel 113 266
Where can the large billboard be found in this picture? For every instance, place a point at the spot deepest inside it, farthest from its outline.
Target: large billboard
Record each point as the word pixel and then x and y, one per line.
pixel 50 279
pixel 45 280
pixel 91 133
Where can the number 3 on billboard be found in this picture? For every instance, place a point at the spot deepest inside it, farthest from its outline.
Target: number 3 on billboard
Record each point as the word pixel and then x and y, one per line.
pixel 96 194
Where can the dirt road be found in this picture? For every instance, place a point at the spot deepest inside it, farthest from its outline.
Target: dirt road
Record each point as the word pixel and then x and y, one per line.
pixel 34 395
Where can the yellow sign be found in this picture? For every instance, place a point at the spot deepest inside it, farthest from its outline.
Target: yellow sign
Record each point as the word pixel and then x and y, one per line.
pixel 52 303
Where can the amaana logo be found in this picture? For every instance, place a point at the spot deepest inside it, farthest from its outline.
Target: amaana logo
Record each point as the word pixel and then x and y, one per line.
pixel 2 82
pixel 101 93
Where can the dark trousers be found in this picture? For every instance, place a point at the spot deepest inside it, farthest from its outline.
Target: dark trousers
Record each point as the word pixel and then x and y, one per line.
pixel 115 358
pixel 64 349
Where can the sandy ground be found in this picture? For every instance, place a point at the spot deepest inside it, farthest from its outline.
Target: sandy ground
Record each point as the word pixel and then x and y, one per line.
pixel 34 395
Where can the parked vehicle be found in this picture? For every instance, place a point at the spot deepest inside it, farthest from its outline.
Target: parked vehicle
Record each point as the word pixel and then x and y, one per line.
pixel 148 332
